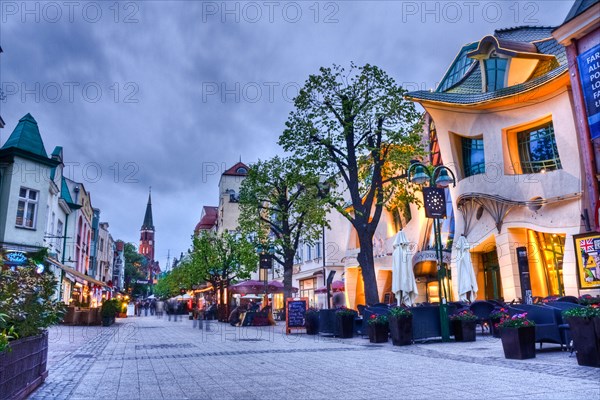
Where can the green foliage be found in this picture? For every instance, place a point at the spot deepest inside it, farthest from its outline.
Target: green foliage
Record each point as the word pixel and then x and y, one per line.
pixel 6 335
pixel 27 301
pixel 378 320
pixel 465 315
pixel 135 265
pixel 516 321
pixel 110 308
pixel 282 196
pixel 591 311
pixel 345 312
pixel 400 312
pixel 357 128
pixel 219 259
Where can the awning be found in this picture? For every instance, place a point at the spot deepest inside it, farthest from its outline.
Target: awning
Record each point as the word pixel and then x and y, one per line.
pixel 77 274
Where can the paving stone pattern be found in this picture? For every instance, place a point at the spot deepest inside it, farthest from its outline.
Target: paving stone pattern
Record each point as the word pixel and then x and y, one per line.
pixel 150 358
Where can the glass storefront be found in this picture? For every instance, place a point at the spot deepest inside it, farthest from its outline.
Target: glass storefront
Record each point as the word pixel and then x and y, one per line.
pixel 307 289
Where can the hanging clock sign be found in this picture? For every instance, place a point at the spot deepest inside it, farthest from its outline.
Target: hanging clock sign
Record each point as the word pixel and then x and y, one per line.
pixel 435 202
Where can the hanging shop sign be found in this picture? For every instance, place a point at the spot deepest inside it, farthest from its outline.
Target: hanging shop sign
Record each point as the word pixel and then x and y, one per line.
pixel 587 252
pixel 15 259
pixel 589 73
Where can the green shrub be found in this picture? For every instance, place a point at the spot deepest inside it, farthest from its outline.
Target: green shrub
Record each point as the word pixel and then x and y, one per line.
pixel 27 301
pixel 110 308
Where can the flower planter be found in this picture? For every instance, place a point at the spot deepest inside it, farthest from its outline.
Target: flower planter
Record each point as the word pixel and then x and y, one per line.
pixel 494 329
pixel 401 330
pixel 312 324
pixel 378 333
pixel 518 343
pixel 585 333
pixel 344 326
pixel 464 331
pixel 23 368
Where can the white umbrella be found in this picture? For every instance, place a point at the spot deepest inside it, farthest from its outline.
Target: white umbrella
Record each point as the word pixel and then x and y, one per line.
pixel 467 282
pixel 403 277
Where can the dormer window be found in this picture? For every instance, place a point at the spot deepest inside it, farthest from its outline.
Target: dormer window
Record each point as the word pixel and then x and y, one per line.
pixel 495 72
pixel 241 170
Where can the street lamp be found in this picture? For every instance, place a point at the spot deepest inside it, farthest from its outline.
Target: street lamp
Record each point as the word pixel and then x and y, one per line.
pixel 265 264
pixel 323 192
pixel 434 199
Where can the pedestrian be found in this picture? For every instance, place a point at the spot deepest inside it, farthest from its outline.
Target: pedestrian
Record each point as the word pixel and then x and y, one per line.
pixel 146 307
pixel 152 307
pixel 160 306
pixel 168 309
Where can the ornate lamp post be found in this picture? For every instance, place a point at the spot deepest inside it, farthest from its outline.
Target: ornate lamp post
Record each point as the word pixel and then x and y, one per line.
pixel 434 199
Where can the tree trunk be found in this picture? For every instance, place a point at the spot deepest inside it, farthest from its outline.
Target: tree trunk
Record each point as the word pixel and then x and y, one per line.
pixel 367 265
pixel 288 269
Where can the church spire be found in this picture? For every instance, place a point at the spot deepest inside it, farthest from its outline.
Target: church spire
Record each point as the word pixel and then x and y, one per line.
pixel 148 223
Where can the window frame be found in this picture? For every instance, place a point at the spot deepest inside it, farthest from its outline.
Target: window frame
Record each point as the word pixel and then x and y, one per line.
pixel 529 166
pixel 467 147
pixel 26 202
pixel 495 59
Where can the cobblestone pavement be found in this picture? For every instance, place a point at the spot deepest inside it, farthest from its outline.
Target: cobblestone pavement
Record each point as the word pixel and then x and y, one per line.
pixel 151 358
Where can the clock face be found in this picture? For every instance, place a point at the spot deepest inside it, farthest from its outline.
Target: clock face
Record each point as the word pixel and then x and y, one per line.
pixel 435 202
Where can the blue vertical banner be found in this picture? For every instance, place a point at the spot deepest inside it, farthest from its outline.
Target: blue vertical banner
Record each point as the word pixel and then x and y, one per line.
pixel 589 72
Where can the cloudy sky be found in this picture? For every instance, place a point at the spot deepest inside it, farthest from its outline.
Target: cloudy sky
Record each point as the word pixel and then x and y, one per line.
pixel 169 93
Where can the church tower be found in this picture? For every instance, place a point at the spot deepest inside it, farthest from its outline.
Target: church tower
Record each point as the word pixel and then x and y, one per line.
pixel 147 233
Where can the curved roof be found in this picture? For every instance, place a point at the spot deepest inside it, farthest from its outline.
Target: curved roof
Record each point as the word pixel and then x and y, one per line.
pixel 463 82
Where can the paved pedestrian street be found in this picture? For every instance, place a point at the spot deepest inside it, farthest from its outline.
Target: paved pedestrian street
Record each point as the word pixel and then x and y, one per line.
pixel 152 358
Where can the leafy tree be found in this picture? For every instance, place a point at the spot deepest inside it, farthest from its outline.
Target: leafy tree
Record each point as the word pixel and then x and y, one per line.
pixel 281 197
pixel 134 269
pixel 219 259
pixel 357 126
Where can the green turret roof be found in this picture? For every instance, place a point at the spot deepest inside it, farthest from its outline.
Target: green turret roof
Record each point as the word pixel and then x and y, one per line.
pixel 65 194
pixel 26 137
pixel 148 223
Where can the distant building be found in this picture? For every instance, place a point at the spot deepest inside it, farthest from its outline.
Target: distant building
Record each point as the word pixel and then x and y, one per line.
pixel 208 220
pixel 147 241
pixel 229 197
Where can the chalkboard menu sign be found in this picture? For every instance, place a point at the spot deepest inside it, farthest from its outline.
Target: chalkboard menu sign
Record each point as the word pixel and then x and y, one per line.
pixel 295 312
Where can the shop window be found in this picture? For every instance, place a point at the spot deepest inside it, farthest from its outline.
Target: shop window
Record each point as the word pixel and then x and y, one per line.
pixel 553 248
pixel 537 149
pixel 27 208
pixel 495 72
pixel 472 156
pixel 307 289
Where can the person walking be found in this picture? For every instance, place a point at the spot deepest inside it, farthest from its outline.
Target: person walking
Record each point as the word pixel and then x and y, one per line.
pixel 146 308
pixel 152 307
pixel 160 306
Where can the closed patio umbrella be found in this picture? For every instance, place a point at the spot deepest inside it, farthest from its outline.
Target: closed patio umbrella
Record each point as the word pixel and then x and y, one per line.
pixel 403 277
pixel 467 282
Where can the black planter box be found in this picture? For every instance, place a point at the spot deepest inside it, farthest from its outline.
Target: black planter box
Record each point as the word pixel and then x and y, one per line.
pixel 401 330
pixel 23 368
pixel 312 324
pixel 518 343
pixel 464 331
pixel 585 333
pixel 378 333
pixel 345 326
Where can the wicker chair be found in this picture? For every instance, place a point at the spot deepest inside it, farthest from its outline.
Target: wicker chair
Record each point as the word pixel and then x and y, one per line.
pixel 482 310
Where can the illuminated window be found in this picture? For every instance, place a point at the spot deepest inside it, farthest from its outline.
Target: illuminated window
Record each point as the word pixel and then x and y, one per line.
pixel 27 208
pixel 495 70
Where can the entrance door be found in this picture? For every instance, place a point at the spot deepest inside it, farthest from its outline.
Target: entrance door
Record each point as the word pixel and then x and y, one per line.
pixel 491 272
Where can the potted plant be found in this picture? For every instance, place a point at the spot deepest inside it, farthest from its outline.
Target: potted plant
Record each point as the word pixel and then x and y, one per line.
pixel 495 317
pixel 518 337
pixel 344 320
pixel 378 328
pixel 584 327
pixel 463 325
pixel 311 319
pixel 27 306
pixel 400 323
pixel 110 308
